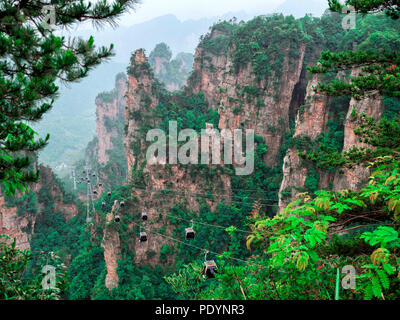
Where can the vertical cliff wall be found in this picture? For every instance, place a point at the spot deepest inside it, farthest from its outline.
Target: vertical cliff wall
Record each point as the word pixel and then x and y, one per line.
pixel 312 122
pixel 111 245
pixel 110 109
pixel 355 178
pixel 105 153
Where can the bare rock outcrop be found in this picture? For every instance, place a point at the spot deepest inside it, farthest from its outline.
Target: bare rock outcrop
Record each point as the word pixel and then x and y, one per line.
pixel 111 245
pixel 110 106
pixel 355 177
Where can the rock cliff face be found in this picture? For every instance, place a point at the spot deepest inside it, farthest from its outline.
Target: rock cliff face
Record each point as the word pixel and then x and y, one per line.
pixel 105 153
pixel 110 108
pixel 13 225
pixel 311 122
pixel 354 178
pixel 140 87
pixel 267 112
pixel 16 220
pixel 111 245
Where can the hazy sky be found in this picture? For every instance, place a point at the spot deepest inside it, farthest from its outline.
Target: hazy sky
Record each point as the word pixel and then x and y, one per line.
pixel 194 9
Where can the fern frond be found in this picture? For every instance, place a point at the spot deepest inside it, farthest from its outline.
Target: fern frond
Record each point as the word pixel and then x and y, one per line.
pixel 368 292
pixel 376 287
pixel 388 268
pixel 384 279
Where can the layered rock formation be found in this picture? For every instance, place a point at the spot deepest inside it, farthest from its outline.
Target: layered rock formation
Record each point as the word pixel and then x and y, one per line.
pixel 111 246
pixel 13 225
pixel 311 122
pixel 355 178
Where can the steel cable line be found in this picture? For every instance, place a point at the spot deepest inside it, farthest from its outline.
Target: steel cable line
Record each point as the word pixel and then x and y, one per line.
pixel 193 246
pixel 202 195
pixel 204 224
pixel 210 193
pixel 240 189
pixel 218 226
pixel 117 210
pixel 195 221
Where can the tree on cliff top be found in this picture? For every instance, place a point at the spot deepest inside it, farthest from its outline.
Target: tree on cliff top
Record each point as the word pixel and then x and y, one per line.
pixel 32 58
pixel 161 51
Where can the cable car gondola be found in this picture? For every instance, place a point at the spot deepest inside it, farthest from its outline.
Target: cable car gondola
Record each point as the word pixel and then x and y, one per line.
pixel 143 237
pixel 144 215
pixel 209 267
pixel 117 218
pixel 189 232
pixel 122 204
